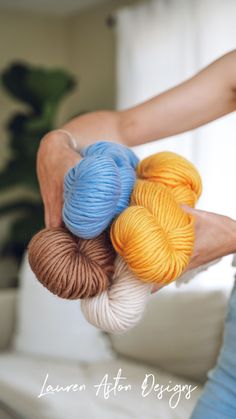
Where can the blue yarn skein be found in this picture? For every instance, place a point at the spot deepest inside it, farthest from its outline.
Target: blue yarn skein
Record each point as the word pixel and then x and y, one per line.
pixel 98 188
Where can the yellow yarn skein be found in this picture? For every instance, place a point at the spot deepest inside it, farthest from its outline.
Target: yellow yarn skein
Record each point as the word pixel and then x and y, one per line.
pixel 154 234
pixel 175 172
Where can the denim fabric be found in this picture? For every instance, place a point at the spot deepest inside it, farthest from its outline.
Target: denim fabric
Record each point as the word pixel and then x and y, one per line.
pixel 218 400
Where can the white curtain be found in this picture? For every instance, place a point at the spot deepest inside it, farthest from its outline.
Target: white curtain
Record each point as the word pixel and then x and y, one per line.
pixel 160 43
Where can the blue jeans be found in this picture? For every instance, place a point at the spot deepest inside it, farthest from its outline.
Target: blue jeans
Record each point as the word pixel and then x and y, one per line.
pixel 218 400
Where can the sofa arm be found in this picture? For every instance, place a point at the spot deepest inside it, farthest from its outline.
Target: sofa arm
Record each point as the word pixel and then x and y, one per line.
pixel 8 299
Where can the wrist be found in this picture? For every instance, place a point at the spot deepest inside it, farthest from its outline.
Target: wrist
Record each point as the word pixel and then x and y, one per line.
pixel 59 138
pixel 129 128
pixel 56 149
pixel 71 140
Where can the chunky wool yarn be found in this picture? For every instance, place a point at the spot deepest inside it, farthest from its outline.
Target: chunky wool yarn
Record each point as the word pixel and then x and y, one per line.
pixel 154 235
pixel 176 173
pixel 71 267
pixel 121 306
pixel 151 233
pixel 98 188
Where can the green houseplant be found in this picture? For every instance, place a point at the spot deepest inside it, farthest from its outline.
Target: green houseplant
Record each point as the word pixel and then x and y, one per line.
pixel 41 91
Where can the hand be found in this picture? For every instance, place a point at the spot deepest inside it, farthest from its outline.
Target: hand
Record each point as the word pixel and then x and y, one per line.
pixel 215 237
pixel 55 157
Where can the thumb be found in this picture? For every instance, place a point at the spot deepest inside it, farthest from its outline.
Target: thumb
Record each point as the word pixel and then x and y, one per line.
pixel 188 209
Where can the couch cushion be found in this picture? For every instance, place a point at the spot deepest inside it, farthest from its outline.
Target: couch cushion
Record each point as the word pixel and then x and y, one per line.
pixel 7 413
pixel 21 381
pixel 8 299
pixel 182 328
pixel 51 326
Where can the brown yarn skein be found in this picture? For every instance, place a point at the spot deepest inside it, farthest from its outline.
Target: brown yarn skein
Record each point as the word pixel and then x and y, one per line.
pixel 69 266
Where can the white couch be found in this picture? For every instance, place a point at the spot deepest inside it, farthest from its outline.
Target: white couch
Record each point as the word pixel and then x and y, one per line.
pixel 176 342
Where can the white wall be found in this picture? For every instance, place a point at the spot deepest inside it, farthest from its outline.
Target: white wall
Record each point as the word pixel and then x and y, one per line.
pixel 83 44
pixel 35 39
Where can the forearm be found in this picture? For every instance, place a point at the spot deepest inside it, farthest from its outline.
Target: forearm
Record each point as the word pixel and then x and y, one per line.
pixel 205 97
pixel 97 126
pixel 85 130
pixel 58 152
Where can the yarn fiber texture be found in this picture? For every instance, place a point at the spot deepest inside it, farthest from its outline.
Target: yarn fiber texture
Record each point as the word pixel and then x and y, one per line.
pixel 151 233
pixel 71 267
pixel 154 234
pixel 175 172
pixel 98 188
pixel 123 304
pixel 120 307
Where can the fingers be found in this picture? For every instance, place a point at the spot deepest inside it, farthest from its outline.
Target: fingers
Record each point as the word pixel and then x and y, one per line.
pixel 54 159
pixel 189 210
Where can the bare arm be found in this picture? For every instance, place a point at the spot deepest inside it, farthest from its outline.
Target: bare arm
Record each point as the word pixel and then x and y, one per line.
pixel 207 96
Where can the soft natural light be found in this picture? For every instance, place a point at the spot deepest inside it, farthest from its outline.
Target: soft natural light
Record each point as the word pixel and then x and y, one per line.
pixel 161 44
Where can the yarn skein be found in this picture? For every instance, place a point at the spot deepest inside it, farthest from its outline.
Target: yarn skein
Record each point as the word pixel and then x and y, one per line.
pixel 98 188
pixel 71 267
pixel 154 234
pixel 121 306
pixel 176 173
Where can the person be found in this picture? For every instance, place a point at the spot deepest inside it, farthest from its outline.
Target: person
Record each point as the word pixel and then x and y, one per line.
pixel 208 95
pixel 218 400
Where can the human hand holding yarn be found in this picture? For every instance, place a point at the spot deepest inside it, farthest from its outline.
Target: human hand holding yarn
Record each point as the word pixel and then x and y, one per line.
pixel 155 237
pixel 54 158
pixel 72 267
pixel 95 189
pixel 215 237
pixel 116 303
pixel 154 234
